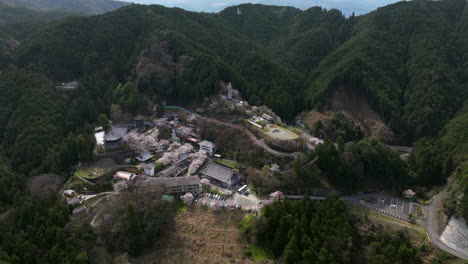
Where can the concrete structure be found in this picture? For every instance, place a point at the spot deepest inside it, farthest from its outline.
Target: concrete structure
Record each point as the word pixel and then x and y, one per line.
pixel 208 146
pixel 229 93
pixel 221 175
pixel 139 121
pixel 144 156
pixel 149 187
pixel 149 169
pixel 179 185
pixel 123 175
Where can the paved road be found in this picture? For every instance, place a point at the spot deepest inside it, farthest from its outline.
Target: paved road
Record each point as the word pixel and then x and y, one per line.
pixel 382 206
pixel 432 223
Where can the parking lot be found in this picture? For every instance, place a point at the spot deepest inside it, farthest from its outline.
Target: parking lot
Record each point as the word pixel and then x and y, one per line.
pixel 237 201
pixel 390 205
pixel 280 133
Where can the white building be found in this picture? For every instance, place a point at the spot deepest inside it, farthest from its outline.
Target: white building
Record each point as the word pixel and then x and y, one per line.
pixel 149 169
pixel 124 175
pixel 208 146
pixel 268 117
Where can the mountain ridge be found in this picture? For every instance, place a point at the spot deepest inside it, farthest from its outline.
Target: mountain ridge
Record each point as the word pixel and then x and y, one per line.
pixel 92 7
pixel 386 62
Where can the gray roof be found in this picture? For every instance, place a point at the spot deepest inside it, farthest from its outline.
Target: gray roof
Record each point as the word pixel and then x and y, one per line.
pixel 169 182
pixel 144 156
pixel 148 182
pixel 139 117
pixel 111 136
pixel 218 172
pixel 181 181
pixel 169 172
pixel 116 134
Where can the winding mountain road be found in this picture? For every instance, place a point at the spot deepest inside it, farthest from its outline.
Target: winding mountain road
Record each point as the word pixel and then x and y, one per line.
pixel 254 139
pixel 432 224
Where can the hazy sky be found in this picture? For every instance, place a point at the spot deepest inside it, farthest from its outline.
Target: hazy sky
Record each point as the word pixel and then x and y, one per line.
pixel 346 6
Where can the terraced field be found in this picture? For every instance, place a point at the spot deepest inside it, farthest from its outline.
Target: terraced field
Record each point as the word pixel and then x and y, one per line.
pixel 203 236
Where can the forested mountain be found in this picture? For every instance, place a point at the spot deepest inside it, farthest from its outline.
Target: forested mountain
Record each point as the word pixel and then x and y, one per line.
pixel 82 6
pixel 408 60
pixel 405 59
pixel 17 23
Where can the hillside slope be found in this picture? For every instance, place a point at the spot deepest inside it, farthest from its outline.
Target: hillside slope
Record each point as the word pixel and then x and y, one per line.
pixel 17 23
pixel 406 59
pixel 83 6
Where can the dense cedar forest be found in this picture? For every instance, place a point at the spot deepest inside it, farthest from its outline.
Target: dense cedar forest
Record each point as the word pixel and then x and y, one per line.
pixel 351 166
pixel 308 232
pixel 409 60
pixel 406 59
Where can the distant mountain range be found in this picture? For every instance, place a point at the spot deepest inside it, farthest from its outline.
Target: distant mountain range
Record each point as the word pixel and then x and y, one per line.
pixel 345 6
pixel 82 6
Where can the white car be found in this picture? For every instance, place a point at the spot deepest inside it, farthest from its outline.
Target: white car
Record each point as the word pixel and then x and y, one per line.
pixel 393 206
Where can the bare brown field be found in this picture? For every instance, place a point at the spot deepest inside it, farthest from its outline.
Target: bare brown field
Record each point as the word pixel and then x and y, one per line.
pixel 202 236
